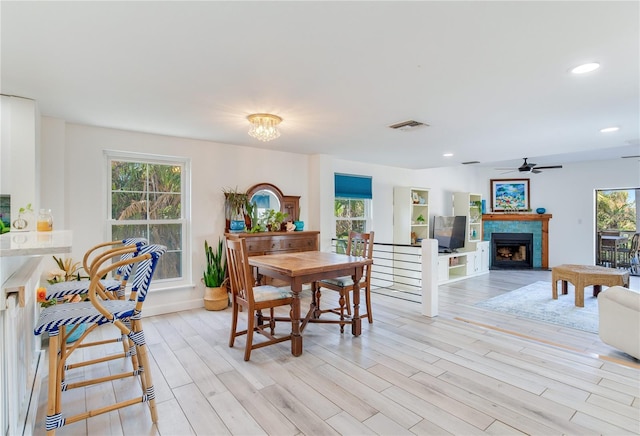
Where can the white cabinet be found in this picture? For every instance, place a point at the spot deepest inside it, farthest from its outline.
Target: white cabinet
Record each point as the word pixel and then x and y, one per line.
pixel 469 205
pixel 473 262
pixel 410 215
pixel 452 267
pixel 483 251
pixel 19 136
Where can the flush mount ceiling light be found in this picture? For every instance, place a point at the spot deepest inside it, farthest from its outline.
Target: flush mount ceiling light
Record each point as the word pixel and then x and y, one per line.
pixel 610 129
pixel 447 154
pixel 585 68
pixel 264 126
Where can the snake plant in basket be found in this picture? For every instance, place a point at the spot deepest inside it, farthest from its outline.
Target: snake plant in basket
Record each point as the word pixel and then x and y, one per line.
pixel 215 278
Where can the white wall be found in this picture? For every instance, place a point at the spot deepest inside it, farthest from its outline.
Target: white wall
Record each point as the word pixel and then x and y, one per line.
pixel 214 166
pixel 567 193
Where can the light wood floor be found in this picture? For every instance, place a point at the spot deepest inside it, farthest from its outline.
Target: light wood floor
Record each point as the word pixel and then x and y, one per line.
pixel 468 371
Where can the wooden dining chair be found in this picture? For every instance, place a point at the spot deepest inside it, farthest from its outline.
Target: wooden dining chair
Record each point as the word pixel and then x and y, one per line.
pixel 358 244
pixel 254 299
pixel 125 315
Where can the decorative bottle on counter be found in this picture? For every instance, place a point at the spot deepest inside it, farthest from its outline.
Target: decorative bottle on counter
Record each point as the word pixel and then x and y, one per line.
pixel 45 220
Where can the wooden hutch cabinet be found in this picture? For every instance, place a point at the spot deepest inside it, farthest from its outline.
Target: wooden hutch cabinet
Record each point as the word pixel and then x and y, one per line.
pixel 278 242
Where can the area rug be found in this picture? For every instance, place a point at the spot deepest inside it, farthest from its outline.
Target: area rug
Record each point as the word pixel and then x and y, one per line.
pixel 534 302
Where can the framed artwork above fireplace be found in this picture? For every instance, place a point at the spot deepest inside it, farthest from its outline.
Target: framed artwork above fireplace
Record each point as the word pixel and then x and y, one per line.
pixel 510 195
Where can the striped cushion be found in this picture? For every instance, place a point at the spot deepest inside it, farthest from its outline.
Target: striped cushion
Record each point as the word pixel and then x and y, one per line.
pixel 58 290
pixel 268 292
pixel 51 318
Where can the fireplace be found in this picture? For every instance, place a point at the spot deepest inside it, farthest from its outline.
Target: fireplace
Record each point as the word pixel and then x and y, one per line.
pixel 511 250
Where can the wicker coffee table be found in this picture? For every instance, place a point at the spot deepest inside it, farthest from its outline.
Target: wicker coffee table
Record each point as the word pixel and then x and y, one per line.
pixel 586 275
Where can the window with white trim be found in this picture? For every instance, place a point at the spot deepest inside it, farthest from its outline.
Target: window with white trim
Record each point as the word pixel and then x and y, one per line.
pixel 148 197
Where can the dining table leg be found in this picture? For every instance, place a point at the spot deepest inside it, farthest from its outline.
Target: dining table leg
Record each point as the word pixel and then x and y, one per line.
pixel 356 322
pixel 296 337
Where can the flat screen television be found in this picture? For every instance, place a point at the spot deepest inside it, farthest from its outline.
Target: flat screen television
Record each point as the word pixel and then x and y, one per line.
pixel 450 232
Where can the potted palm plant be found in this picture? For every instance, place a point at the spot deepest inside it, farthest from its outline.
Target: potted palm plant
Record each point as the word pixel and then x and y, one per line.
pixel 215 278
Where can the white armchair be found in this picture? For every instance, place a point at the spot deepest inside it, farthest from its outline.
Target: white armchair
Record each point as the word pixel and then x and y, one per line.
pixel 619 318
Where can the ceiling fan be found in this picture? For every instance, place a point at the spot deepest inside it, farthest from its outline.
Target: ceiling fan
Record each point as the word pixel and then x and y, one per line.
pixel 527 167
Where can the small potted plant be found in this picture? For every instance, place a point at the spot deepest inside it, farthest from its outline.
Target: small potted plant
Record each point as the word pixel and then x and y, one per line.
pixel 236 209
pixel 21 223
pixel 273 220
pixel 214 278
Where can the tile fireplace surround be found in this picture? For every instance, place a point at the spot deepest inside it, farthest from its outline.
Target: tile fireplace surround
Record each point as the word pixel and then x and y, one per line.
pixel 538 224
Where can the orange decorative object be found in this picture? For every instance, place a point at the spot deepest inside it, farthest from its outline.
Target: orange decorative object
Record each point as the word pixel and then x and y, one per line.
pixel 42 294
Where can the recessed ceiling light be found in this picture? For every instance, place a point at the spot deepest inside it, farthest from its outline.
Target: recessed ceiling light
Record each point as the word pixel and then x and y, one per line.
pixel 447 154
pixel 585 68
pixel 609 129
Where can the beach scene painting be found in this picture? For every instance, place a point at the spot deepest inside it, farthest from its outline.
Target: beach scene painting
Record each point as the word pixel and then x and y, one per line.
pixel 509 195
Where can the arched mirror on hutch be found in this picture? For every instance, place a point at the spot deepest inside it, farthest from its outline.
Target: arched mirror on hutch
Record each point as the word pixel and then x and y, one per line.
pixel 267 196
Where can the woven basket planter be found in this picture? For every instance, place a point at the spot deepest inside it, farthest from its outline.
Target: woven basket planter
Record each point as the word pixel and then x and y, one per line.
pixel 216 298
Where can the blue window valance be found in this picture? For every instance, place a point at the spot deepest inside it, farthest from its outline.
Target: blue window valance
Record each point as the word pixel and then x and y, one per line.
pixel 352 186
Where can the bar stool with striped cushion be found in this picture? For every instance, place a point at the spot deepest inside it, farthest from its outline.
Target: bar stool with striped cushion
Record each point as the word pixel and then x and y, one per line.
pixel 109 288
pixel 114 286
pixel 55 319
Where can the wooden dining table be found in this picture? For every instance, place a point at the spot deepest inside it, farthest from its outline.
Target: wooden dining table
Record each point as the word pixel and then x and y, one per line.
pixel 309 267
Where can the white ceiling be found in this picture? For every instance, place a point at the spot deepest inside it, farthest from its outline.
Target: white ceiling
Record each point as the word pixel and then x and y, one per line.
pixel 491 78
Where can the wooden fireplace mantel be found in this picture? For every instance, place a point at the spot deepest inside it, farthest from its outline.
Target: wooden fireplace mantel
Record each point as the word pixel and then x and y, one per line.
pixel 544 218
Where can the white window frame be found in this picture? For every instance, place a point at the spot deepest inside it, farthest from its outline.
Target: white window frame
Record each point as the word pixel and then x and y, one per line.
pixel 367 214
pixel 184 221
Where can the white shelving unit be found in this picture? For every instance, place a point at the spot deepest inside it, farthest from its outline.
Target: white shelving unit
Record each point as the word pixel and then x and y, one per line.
pixel 410 215
pixel 452 267
pixel 469 205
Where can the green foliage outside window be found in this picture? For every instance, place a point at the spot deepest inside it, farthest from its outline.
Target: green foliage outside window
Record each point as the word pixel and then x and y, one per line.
pixel 616 210
pixel 350 216
pixel 146 201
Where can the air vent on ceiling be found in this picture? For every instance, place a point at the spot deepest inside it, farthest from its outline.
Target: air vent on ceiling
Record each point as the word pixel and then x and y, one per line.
pixel 630 157
pixel 471 162
pixel 408 125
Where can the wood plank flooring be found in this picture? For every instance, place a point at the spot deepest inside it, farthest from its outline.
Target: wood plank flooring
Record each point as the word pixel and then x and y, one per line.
pixel 468 371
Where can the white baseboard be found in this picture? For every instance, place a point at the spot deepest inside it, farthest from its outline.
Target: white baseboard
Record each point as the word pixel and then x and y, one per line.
pixel 173 307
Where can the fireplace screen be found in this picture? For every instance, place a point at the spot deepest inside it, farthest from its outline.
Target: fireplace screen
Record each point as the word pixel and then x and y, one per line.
pixel 511 250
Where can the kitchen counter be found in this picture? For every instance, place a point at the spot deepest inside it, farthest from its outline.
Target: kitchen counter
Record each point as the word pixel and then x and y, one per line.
pixel 35 243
